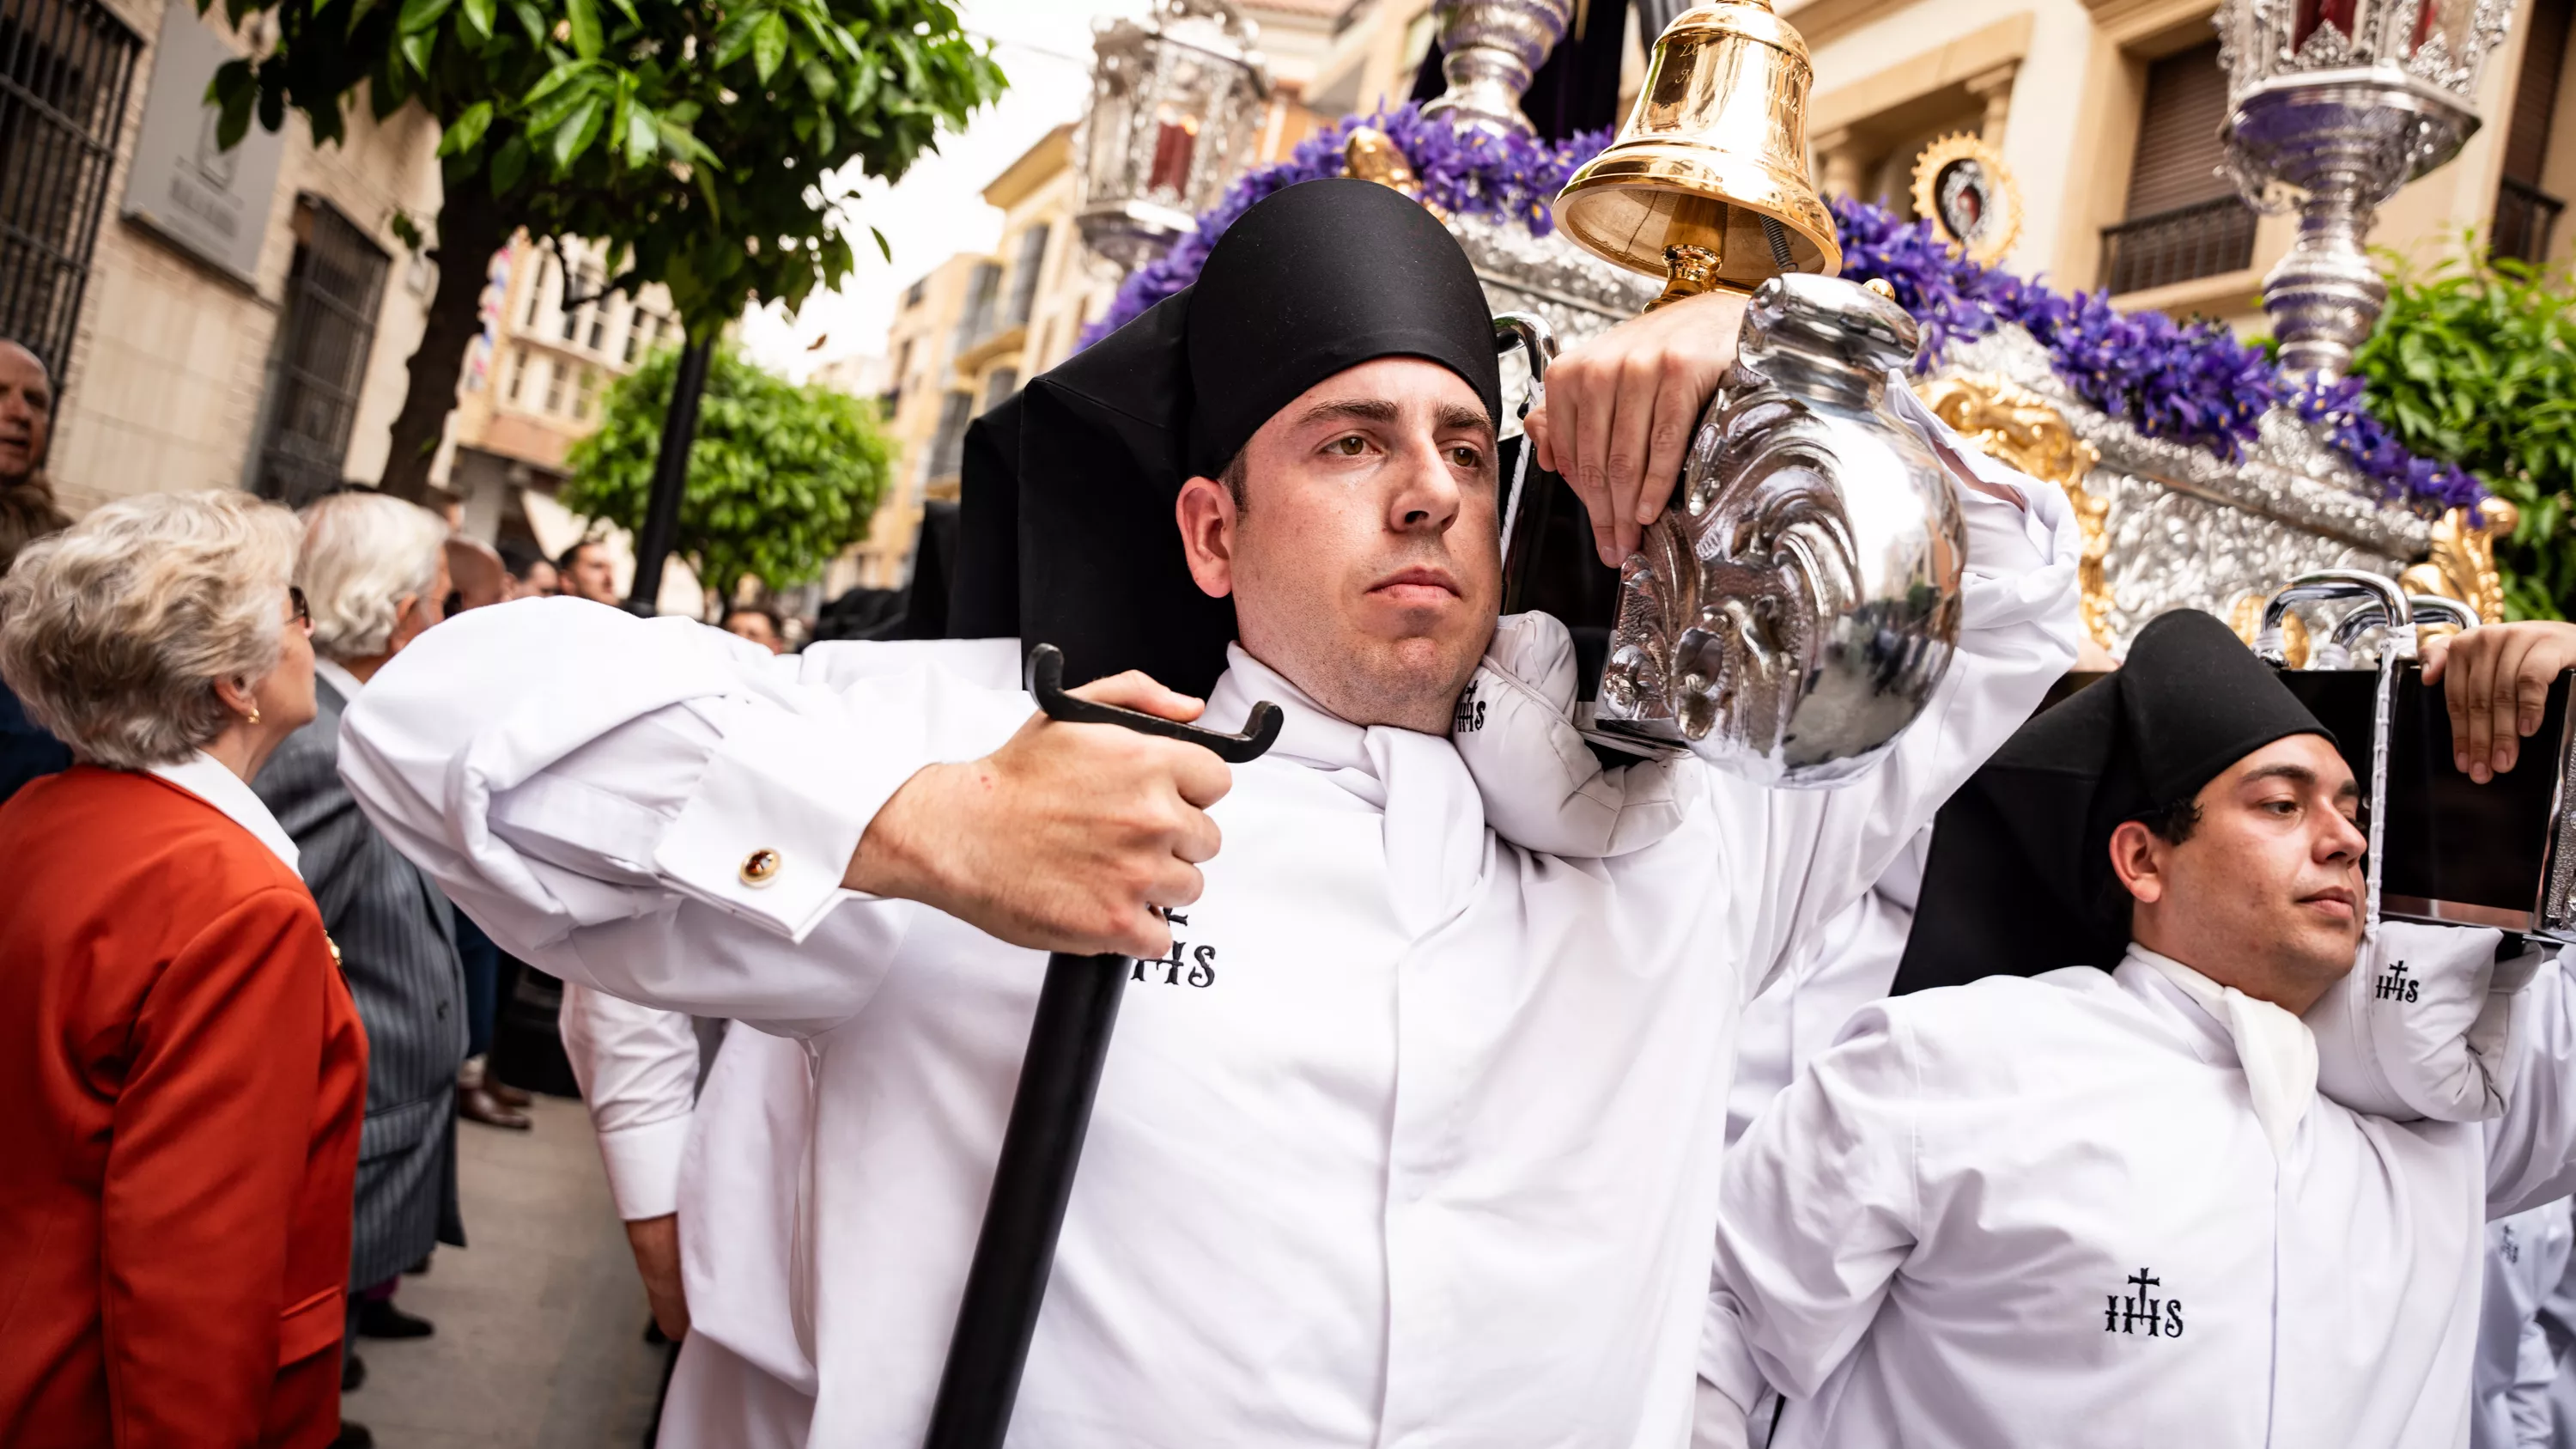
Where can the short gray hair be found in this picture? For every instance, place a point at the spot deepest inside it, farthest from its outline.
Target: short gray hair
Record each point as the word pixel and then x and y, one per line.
pixel 114 632
pixel 363 553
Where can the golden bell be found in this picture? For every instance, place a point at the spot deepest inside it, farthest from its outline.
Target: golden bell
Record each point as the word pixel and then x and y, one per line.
pixel 1707 185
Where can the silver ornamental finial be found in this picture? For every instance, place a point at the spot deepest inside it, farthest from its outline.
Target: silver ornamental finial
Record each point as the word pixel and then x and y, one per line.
pixel 1489 50
pixel 2332 108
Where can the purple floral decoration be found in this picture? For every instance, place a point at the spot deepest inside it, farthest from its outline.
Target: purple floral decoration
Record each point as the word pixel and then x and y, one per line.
pixel 1473 174
pixel 2190 382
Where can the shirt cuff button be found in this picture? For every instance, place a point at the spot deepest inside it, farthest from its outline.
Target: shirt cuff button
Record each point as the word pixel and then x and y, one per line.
pixel 760 867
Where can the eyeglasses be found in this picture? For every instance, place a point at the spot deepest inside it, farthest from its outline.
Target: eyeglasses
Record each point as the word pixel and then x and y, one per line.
pixel 295 601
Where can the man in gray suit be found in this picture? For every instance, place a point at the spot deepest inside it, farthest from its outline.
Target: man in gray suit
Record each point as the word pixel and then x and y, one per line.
pixel 373 575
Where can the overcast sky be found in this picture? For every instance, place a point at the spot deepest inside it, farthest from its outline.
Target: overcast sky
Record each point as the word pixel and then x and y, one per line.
pixel 1044 46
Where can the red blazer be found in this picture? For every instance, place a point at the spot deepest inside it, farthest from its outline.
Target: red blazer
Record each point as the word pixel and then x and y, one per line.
pixel 183 1076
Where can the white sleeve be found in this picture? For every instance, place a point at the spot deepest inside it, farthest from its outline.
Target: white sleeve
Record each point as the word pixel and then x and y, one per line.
pixel 655 807
pixel 2531 1148
pixel 638 1069
pixel 1817 1212
pixel 2535 1368
pixel 2017 630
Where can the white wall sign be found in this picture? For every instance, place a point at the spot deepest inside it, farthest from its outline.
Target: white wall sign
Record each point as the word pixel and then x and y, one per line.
pixel 211 202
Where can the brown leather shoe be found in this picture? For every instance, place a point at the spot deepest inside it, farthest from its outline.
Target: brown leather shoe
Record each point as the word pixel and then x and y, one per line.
pixel 505 1094
pixel 477 1104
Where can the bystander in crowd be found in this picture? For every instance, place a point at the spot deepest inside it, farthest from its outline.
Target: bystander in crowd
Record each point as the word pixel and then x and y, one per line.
pixel 183 1068
pixel 27 513
pixel 585 572
pixel 374 573
pixel 758 623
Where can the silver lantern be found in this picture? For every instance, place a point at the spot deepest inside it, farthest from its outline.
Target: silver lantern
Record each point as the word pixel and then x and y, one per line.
pixel 1489 49
pixel 2332 106
pixel 1794 609
pixel 1176 103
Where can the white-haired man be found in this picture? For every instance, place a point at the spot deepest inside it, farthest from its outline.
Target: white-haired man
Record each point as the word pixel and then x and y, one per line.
pixel 373 571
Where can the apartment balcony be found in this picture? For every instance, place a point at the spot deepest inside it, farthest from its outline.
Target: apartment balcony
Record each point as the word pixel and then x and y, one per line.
pixel 2204 239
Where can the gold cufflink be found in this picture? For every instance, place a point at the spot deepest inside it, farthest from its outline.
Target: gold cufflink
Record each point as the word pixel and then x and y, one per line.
pixel 760 867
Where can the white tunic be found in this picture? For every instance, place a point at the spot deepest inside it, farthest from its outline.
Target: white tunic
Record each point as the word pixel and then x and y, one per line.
pixel 2042 1212
pixel 2526 1254
pixel 1413 1138
pixel 1837 971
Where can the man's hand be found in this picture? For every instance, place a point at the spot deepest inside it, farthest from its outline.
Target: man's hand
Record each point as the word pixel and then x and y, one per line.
pixel 2499 680
pixel 1621 408
pixel 1070 837
pixel 656 1242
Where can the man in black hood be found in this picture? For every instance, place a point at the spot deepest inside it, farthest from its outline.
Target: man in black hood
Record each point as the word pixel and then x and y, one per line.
pixel 2142 1170
pixel 1410 1130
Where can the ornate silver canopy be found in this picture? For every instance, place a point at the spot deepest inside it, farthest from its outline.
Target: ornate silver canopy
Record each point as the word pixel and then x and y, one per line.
pixel 1176 103
pixel 2334 105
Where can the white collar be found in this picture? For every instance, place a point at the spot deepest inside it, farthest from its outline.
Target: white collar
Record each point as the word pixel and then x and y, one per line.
pixel 209 780
pixel 2275 1048
pixel 1437 846
pixel 338 676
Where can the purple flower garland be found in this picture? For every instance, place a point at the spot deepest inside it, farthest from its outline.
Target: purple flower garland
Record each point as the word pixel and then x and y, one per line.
pixel 1474 174
pixel 2189 382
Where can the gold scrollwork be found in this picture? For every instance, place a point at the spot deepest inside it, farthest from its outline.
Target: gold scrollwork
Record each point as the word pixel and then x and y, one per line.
pixel 2462 565
pixel 1371 155
pixel 2027 431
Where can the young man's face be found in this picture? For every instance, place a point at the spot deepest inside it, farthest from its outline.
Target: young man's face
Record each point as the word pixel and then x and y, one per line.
pixel 591 576
pixel 26 412
pixel 2265 893
pixel 1364 560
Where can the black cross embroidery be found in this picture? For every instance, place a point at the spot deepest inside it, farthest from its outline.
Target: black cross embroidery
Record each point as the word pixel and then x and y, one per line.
pixel 2162 1317
pixel 2397 985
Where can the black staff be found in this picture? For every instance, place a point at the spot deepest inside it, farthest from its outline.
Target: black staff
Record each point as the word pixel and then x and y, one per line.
pixel 1068 1043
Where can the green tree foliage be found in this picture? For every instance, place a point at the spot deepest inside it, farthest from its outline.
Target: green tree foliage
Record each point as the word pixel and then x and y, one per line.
pixel 782 478
pixel 2475 361
pixel 710 143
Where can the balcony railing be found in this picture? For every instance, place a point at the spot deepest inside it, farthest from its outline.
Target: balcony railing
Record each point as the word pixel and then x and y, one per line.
pixel 2204 239
pixel 2524 218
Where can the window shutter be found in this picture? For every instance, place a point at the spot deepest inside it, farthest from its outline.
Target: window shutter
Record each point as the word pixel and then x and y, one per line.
pixel 2178 148
pixel 2535 92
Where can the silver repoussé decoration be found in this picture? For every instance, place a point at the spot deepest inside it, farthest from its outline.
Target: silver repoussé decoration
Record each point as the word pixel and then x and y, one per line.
pixel 1798 607
pixel 2331 119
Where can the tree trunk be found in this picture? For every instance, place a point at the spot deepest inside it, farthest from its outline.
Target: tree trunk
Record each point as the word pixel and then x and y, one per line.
pixel 470 229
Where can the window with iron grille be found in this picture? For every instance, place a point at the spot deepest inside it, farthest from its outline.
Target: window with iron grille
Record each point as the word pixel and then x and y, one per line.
pixel 2184 221
pixel 1025 270
pixel 948 446
pixel 64 69
pixel 976 318
pixel 333 290
pixel 999 387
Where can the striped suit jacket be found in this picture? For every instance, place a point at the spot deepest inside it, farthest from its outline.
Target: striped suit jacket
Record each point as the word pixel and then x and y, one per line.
pixel 397 940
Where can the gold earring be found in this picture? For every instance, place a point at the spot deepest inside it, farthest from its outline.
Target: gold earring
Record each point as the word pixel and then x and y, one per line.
pixel 254 714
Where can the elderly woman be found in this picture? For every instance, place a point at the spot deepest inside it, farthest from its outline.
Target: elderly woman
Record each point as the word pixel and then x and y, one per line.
pixel 182 1067
pixel 373 571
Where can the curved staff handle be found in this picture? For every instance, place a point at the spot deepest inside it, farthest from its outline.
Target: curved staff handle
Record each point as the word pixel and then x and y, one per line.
pixel 1046 681
pixel 1050 1112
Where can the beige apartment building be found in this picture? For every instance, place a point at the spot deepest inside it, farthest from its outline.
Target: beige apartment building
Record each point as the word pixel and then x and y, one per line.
pixel 2107 113
pixel 553 340
pixel 214 319
pixel 965 336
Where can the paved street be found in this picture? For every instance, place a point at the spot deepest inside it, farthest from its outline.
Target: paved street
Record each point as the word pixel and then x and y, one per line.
pixel 540 1322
